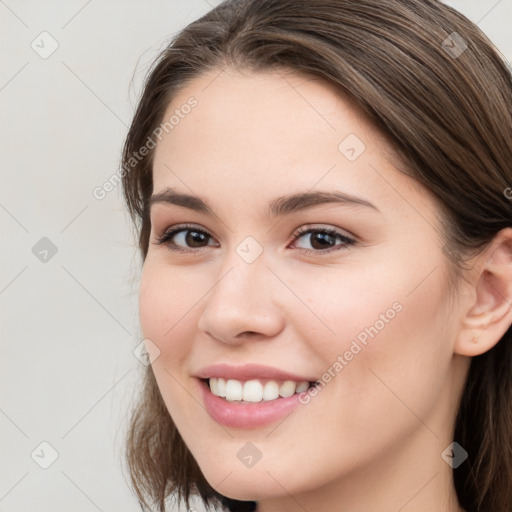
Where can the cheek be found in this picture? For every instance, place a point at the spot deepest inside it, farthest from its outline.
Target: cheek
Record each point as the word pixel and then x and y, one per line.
pixel 166 317
pixel 165 300
pixel 380 331
pixel 153 307
pixel 153 304
pixel 168 313
pixel 343 307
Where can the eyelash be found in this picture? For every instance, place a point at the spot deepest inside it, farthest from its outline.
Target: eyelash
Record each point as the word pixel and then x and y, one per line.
pixel 166 237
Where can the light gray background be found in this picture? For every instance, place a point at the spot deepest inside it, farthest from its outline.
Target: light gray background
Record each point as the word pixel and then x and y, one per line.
pixel 69 325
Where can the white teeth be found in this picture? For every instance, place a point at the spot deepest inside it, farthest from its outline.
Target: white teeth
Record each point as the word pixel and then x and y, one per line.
pixel 221 387
pixel 287 388
pixel 270 390
pixel 214 386
pixel 254 390
pixel 233 390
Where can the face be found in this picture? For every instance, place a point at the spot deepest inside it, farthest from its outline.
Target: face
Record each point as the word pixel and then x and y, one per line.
pixel 243 283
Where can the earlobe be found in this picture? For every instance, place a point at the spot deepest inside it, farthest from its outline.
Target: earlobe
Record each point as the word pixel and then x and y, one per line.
pixel 489 315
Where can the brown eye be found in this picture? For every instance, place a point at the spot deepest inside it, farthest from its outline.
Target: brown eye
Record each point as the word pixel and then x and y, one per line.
pixel 184 238
pixel 195 238
pixel 322 240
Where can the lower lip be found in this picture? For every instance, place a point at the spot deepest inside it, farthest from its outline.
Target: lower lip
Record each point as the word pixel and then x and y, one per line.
pixel 247 415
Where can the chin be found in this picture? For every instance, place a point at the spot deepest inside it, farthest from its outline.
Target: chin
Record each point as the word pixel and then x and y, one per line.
pixel 240 483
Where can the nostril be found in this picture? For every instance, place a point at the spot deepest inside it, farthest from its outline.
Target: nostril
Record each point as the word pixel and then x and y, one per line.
pixel 248 334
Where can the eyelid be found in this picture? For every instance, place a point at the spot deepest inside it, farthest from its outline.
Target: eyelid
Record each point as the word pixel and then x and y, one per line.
pixel 307 228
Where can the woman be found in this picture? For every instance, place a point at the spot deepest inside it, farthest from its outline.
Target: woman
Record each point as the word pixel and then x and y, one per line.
pixel 321 192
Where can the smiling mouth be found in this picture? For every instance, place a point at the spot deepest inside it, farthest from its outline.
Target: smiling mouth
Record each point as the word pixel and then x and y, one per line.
pixel 256 390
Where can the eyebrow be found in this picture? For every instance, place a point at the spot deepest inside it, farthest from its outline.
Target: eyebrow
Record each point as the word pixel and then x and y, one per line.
pixel 278 207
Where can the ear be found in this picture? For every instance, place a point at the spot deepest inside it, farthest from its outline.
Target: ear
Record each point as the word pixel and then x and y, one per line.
pixel 489 314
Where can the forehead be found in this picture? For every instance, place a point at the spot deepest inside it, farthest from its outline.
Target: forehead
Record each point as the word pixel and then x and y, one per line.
pixel 271 132
pixel 247 107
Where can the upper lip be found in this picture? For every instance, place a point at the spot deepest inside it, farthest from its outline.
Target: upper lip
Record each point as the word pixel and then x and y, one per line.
pixel 249 372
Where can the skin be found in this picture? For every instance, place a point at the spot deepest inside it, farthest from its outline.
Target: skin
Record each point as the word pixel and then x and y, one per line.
pixel 373 436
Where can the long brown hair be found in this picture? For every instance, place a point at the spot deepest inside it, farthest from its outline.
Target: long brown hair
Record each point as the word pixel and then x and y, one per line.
pixel 434 84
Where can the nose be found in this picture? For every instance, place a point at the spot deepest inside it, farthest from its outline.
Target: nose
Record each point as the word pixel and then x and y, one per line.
pixel 242 303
